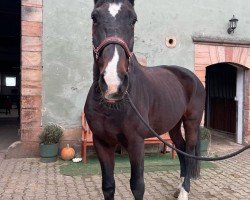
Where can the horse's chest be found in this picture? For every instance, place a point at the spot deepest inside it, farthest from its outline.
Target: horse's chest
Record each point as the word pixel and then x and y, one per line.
pixel 104 126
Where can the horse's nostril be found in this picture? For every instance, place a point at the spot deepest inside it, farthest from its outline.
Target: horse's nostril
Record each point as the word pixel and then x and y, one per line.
pixel 126 79
pixel 102 84
pixel 120 90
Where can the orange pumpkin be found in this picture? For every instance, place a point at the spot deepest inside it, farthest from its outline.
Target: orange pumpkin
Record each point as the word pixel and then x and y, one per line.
pixel 67 153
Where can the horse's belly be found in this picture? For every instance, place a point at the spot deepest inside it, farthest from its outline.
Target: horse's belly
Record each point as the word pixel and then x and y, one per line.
pixel 167 110
pixel 164 124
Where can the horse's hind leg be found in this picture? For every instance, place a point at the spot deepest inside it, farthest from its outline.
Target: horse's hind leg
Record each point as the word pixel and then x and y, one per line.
pixel 105 153
pixel 191 125
pixel 180 143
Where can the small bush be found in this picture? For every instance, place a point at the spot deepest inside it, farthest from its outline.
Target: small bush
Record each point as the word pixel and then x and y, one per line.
pixel 51 134
pixel 205 133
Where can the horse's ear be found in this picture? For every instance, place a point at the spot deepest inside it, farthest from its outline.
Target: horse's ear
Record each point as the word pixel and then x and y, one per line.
pixel 132 2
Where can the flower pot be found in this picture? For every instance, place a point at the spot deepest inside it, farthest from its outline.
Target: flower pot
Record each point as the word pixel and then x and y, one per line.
pixel 48 152
pixel 204 147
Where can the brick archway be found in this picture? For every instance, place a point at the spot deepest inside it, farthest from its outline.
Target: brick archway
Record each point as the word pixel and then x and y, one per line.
pixel 207 54
pixel 31 69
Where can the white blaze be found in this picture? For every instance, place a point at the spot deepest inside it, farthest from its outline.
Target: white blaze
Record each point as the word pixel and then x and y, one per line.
pixel 114 8
pixel 183 194
pixel 110 76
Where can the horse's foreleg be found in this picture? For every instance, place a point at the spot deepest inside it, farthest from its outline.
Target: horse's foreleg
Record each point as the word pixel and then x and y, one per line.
pixel 136 156
pixel 105 153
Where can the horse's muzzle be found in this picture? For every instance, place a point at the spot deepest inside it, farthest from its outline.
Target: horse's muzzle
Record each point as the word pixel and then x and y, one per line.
pixel 114 93
pixel 113 97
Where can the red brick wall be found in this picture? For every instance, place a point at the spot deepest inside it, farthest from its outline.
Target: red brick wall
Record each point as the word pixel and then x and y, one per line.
pixel 31 69
pixel 209 54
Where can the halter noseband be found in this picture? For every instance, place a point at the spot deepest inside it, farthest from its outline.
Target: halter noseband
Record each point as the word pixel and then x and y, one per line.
pixel 112 40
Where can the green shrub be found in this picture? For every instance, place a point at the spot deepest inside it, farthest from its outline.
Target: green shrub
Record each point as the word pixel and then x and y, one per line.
pixel 205 133
pixel 51 134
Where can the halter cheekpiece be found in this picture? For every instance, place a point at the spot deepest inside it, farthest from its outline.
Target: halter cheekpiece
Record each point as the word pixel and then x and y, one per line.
pixel 112 40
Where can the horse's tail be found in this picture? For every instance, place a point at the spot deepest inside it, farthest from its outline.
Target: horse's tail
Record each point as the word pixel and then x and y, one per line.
pixel 196 164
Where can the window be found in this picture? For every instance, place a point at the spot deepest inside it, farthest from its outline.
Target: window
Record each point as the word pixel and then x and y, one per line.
pixel 10 81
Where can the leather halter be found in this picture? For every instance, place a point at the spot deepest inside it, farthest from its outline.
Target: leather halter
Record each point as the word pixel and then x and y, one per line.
pixel 112 40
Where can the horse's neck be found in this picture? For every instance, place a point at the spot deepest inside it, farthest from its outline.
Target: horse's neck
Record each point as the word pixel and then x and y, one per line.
pixel 137 76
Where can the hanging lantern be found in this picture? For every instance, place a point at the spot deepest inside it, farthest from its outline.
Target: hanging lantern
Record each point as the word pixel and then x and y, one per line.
pixel 232 25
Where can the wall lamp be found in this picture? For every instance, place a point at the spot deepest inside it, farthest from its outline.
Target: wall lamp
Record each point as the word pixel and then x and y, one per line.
pixel 232 25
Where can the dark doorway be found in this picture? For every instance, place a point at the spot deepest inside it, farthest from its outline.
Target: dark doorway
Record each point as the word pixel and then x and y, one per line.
pixel 10 36
pixel 221 106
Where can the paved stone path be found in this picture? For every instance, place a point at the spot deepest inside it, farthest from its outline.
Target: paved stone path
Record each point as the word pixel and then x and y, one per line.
pixel 30 179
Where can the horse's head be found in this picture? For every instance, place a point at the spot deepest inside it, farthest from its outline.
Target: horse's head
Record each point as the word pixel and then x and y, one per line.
pixel 113 40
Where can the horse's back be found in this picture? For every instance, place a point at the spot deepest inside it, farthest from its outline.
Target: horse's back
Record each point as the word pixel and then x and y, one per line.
pixel 194 91
pixel 189 80
pixel 178 76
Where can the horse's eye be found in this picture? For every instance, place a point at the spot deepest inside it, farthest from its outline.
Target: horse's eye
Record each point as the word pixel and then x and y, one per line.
pixel 133 22
pixel 94 20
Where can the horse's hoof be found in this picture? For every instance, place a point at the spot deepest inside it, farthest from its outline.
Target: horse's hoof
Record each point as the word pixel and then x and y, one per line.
pixel 176 194
pixel 183 194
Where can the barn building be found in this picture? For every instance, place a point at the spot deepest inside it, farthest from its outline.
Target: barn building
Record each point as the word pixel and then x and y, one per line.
pixel 46 61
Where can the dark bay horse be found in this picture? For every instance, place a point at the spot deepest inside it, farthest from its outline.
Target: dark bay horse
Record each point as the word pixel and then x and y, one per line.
pixel 166 96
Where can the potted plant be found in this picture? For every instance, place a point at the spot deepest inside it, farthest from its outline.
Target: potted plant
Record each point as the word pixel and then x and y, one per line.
pixel 205 138
pixel 49 139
